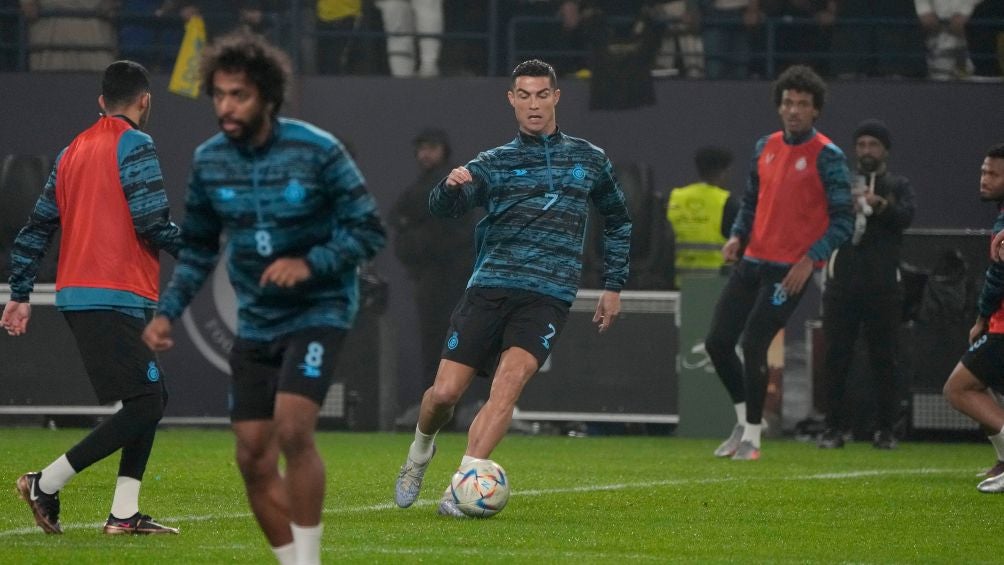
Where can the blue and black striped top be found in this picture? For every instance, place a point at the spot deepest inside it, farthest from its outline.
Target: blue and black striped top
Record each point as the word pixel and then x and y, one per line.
pixel 299 195
pixel 536 191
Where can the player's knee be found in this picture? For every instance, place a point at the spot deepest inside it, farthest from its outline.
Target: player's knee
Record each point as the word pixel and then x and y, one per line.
pixel 444 395
pixel 716 346
pixel 952 391
pixel 145 410
pixel 753 347
pixel 253 463
pixel 294 438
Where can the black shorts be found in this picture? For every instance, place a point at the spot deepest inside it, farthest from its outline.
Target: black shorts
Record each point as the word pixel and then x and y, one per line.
pixel 302 362
pixel 118 363
pixel 985 359
pixel 487 321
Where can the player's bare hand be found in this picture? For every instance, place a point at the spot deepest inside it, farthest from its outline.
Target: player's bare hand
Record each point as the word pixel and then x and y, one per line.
pixel 997 247
pixel 458 177
pixel 730 251
pixel 797 276
pixel 15 317
pixel 607 310
pixel 286 272
pixel 157 334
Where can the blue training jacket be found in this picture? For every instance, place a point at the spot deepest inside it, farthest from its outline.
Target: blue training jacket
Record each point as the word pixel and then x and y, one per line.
pixel 300 195
pixel 536 190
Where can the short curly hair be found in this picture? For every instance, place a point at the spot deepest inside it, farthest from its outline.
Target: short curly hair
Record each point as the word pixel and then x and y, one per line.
pixel 803 79
pixel 267 66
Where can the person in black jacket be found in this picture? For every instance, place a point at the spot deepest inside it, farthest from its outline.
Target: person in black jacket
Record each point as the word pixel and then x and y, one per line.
pixel 437 253
pixel 862 286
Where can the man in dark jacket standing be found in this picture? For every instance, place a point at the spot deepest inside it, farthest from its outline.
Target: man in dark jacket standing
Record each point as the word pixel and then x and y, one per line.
pixel 862 286
pixel 437 253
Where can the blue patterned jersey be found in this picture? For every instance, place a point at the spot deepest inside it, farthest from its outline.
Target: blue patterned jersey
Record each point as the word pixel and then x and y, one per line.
pixel 536 191
pixel 299 195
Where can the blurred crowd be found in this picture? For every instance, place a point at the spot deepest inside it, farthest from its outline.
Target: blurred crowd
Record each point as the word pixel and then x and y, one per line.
pixel 730 39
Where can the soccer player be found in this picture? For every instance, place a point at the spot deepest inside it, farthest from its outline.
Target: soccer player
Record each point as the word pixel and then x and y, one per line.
pixel 536 190
pixel 980 367
pixel 298 221
pixel 795 211
pixel 106 194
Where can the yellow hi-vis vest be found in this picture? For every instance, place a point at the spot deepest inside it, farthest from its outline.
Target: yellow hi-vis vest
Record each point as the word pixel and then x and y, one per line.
pixel 695 212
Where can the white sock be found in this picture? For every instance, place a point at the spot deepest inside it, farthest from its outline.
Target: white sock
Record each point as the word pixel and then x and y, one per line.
pixel 126 501
pixel 997 440
pixel 740 413
pixel 285 554
pixel 467 459
pixel 307 540
pixel 751 433
pixel 421 449
pixel 56 475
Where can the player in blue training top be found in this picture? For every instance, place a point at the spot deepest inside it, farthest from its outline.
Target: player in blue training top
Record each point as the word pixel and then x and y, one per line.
pixel 106 196
pixel 536 190
pixel 298 220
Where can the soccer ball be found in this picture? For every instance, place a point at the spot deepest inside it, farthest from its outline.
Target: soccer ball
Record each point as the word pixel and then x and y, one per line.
pixel 480 488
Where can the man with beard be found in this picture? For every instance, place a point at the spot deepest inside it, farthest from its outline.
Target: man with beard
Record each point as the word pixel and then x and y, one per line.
pixel 863 290
pixel 980 372
pixel 795 211
pixel 299 221
pixel 106 194
pixel 437 252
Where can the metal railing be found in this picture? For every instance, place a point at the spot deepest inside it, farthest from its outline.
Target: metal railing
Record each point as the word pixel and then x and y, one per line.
pixel 291 29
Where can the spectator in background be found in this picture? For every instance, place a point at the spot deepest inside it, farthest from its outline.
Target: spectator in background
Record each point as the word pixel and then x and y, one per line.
pixel 335 16
pixel 701 214
pixel 221 16
pixel 944 22
pixel 863 287
pixel 803 43
pixel 681 51
pixel 78 42
pixel 980 372
pixel 143 37
pixel 883 48
pixel 984 35
pixel 436 252
pixel 409 17
pixel 726 26
pixel 795 211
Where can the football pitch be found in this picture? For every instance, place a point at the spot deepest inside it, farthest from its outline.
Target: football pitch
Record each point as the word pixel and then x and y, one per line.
pixel 574 500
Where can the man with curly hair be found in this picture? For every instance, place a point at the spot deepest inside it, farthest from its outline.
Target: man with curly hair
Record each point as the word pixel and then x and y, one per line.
pixel 298 220
pixel 795 211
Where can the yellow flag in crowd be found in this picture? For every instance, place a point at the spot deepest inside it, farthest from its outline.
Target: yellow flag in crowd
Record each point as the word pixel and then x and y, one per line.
pixel 185 77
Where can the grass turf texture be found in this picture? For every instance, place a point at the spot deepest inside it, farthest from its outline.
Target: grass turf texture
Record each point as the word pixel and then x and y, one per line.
pixel 574 500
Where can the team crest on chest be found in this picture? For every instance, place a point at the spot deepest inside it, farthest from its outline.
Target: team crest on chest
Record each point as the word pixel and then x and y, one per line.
pixel 578 172
pixel 801 164
pixel 294 193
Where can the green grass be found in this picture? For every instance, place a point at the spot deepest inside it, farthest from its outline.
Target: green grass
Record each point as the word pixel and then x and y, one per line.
pixel 575 500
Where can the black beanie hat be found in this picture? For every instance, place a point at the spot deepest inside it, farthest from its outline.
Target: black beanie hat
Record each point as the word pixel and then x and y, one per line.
pixel 876 129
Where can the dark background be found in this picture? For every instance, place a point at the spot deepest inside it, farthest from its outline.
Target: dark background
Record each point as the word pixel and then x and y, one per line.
pixel 940 133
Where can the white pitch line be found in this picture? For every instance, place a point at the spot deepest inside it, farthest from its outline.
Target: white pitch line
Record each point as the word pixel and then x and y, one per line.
pixel 531 492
